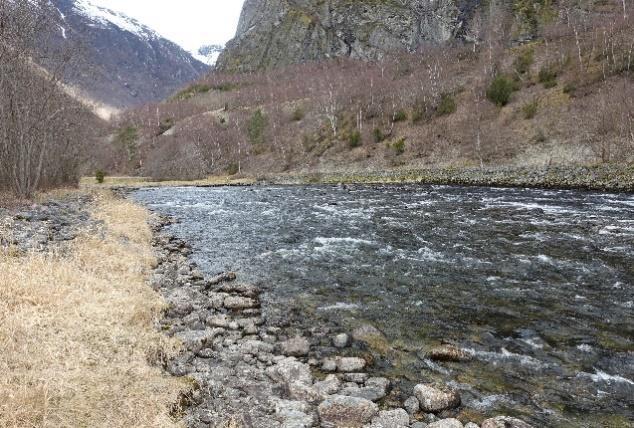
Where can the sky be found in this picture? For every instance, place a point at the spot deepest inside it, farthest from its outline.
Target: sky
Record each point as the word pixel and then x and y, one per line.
pixel 189 23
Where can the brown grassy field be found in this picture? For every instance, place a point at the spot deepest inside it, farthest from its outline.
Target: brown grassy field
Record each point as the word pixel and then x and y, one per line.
pixel 77 331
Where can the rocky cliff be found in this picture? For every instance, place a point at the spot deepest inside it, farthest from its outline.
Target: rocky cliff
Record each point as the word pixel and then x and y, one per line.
pixel 274 33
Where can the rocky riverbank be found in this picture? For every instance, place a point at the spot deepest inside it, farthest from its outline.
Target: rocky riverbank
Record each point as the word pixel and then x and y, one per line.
pixel 605 177
pixel 248 368
pixel 37 227
pixel 253 370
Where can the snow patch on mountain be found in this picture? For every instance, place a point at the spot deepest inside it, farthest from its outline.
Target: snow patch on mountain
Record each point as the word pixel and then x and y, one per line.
pixel 208 54
pixel 106 17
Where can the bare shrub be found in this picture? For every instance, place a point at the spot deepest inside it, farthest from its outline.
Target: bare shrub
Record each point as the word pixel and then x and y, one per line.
pixel 42 129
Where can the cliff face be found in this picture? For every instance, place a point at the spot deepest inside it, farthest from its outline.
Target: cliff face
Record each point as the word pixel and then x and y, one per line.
pixel 274 33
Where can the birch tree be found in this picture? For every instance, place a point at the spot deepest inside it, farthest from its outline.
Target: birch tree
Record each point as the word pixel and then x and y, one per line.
pixel 39 123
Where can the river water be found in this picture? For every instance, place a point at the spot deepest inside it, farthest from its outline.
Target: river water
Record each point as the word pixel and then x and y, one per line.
pixel 538 285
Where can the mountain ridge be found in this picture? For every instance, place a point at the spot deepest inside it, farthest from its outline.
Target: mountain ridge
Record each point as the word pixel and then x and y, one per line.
pixel 126 63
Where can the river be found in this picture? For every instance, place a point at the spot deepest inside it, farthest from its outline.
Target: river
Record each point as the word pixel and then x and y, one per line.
pixel 537 285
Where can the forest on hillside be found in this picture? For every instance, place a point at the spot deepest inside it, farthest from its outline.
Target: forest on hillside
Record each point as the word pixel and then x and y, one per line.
pixel 564 96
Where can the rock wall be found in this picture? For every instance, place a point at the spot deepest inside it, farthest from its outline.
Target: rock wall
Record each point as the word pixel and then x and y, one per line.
pixel 274 33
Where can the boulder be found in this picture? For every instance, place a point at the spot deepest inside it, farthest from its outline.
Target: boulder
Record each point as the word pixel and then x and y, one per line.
pixel 340 340
pixel 238 302
pixel 366 333
pixel 434 399
pixel 329 365
pixel 448 353
pixel 350 364
pixel 371 393
pixel 505 422
pixel 289 370
pixel 446 423
pixel 354 377
pixel 338 411
pixel 328 386
pixel 300 391
pixel 471 425
pixel 411 405
pixel 391 419
pixel 296 347
pixel 294 414
pixel 223 277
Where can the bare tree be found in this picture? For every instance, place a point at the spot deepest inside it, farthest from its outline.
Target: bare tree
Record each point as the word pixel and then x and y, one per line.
pixel 39 122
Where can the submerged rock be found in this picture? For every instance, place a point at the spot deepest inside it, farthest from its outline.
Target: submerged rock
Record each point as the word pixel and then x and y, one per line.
pixel 433 399
pixel 340 411
pixel 505 422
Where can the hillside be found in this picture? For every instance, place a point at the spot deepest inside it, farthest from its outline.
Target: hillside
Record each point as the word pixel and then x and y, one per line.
pixel 561 99
pixel 125 63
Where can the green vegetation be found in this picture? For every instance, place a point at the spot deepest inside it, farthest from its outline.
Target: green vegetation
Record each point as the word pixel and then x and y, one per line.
pixel 223 87
pixel 298 114
pixel 378 135
pixel 420 112
pixel 166 125
pixel 529 110
pixel 522 63
pixel 126 139
pixel 354 139
pixel 400 116
pixel 446 106
pixel 548 76
pixel 500 90
pixel 192 90
pixel 531 14
pixel 399 146
pixel 100 176
pixel 256 127
pixel 233 168
pixel 570 88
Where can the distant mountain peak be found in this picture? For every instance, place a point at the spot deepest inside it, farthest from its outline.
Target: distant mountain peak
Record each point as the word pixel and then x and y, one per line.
pixel 125 63
pixel 104 17
pixel 209 53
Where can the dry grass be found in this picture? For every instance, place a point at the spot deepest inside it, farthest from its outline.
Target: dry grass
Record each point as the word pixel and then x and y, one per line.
pixel 89 182
pixel 77 332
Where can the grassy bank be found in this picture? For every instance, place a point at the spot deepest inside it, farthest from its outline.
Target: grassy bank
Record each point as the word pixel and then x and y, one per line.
pixel 77 330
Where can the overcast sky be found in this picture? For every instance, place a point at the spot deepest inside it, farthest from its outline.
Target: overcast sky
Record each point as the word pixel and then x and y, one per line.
pixel 189 23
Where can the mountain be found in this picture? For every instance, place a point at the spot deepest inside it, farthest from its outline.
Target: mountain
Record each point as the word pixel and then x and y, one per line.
pixel 126 63
pixel 209 53
pixel 521 83
pixel 276 33
pixel 281 32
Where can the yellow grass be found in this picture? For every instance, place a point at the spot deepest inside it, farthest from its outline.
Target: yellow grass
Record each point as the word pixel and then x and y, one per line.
pixel 90 183
pixel 77 331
